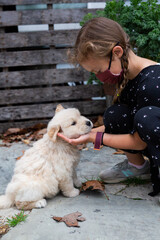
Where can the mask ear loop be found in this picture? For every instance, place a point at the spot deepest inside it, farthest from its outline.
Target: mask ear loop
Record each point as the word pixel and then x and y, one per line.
pixel 111 57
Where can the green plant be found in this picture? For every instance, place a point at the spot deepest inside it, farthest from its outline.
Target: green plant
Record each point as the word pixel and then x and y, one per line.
pixel 140 20
pixel 93 78
pixel 16 219
pixel 135 181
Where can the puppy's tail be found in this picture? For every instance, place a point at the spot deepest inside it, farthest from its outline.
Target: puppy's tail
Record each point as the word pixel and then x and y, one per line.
pixel 6 201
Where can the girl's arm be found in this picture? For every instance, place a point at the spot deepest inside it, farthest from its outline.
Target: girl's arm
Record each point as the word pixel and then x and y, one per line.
pixel 122 141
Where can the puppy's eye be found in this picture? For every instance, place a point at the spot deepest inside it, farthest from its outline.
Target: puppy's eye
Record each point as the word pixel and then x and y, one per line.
pixel 73 123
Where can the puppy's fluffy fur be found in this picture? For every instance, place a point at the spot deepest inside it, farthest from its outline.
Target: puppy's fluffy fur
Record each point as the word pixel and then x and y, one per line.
pixel 49 166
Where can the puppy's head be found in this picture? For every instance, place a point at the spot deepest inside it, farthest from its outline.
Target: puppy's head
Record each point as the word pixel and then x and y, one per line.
pixel 69 122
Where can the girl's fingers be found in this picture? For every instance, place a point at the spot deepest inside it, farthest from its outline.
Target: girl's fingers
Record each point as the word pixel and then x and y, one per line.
pixel 63 137
pixel 82 139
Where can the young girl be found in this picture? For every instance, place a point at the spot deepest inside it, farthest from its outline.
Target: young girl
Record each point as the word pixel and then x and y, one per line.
pixel 132 123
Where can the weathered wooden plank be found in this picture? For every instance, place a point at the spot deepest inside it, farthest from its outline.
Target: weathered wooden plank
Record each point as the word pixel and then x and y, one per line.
pixel 47 110
pixel 49 94
pixel 29 58
pixel 44 38
pixel 21 2
pixel 30 123
pixel 49 16
pixel 41 77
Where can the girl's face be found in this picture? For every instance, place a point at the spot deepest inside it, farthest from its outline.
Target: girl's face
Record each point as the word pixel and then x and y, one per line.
pixel 99 65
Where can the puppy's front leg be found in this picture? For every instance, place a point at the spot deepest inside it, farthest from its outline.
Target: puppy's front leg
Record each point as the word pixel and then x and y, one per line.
pixel 66 186
pixel 76 181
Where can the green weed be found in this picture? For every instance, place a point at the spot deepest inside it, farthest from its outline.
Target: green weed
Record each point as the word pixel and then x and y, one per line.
pixel 135 181
pixel 91 179
pixel 16 219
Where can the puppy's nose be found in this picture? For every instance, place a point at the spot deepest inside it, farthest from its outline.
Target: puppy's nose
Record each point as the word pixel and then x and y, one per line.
pixel 88 123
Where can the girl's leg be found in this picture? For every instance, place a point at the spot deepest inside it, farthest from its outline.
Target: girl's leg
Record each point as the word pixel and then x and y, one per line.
pixel 147 124
pixel 118 120
pixel 136 159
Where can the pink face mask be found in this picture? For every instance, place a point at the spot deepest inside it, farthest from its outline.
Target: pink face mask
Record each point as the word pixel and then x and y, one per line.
pixel 109 77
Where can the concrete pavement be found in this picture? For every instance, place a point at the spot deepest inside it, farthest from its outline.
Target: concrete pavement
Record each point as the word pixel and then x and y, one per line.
pixel 129 214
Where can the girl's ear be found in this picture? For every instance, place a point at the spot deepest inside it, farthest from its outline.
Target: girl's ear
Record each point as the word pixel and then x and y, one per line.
pixel 117 51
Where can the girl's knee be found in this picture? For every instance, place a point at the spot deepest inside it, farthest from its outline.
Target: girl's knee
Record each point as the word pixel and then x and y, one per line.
pixel 146 122
pixel 147 117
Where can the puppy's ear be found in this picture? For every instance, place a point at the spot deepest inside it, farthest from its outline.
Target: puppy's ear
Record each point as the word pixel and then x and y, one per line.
pixel 53 132
pixel 59 108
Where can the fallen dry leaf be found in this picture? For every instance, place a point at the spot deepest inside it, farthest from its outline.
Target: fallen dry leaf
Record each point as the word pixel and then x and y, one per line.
pixel 11 131
pixel 4 229
pixel 93 185
pixel 41 131
pixel 71 220
pixel 24 134
pixel 26 141
pixel 5 145
pixel 21 155
pixel 119 151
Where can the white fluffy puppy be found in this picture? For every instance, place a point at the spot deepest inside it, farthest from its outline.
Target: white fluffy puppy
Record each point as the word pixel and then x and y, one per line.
pixel 49 166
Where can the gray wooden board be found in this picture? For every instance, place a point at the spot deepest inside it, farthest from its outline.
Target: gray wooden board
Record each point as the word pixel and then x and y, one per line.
pixel 49 94
pixel 41 77
pixel 36 57
pixel 32 39
pixel 49 16
pixel 37 102
pixel 47 110
pixel 20 2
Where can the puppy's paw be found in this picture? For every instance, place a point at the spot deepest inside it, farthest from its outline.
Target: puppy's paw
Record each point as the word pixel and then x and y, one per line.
pixel 77 183
pixel 73 193
pixel 41 203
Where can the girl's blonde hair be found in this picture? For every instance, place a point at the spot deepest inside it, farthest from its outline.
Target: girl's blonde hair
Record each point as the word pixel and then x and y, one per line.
pixel 97 37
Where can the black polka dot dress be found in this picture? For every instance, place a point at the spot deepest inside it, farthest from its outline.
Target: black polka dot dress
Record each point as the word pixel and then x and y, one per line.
pixel 139 110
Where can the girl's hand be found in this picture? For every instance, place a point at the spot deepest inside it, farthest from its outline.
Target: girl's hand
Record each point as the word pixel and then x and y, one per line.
pixel 80 140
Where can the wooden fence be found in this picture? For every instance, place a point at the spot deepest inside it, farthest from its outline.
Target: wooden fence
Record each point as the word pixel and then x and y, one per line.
pixel 34 75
